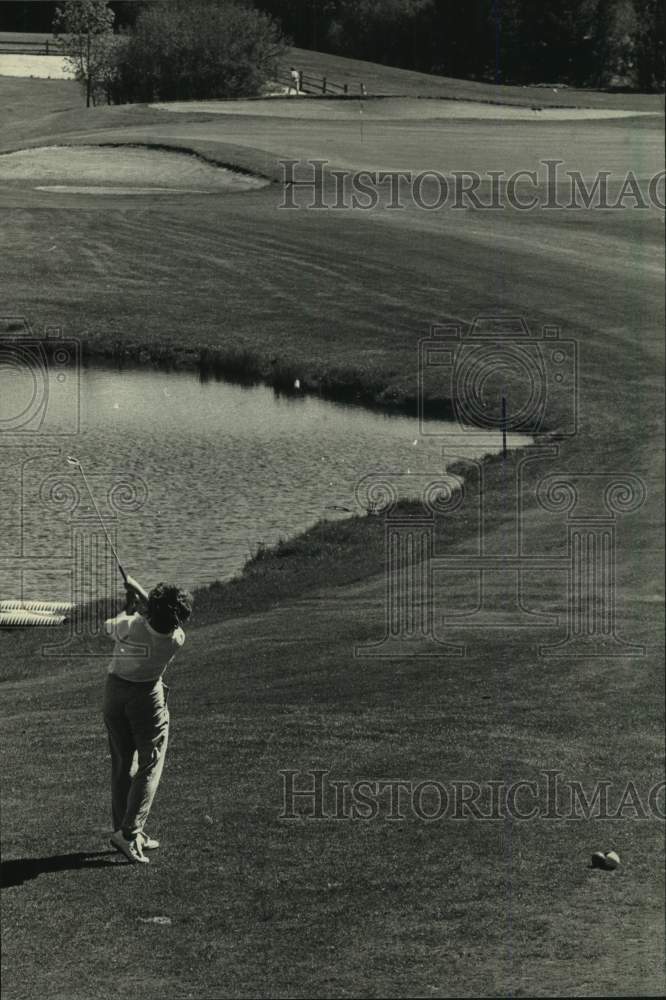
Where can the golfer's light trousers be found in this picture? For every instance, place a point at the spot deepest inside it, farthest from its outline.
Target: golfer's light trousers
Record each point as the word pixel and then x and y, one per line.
pixel 137 718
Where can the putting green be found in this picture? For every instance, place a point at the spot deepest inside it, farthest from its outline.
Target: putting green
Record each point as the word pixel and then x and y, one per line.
pixel 124 170
pixel 393 108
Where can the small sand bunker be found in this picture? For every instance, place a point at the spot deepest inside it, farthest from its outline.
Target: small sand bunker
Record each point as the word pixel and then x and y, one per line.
pixel 39 67
pixel 120 170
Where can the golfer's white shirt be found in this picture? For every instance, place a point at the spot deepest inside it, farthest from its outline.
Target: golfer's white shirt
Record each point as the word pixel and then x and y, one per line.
pixel 140 653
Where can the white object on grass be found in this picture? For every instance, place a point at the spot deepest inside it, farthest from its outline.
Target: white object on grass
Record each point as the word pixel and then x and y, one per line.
pixel 21 619
pixel 40 607
pixel 608 861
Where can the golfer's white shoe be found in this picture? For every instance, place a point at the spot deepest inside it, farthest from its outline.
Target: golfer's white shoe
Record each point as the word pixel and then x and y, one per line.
pixel 130 848
pixel 148 843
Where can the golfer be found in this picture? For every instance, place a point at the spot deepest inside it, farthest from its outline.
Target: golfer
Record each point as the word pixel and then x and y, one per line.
pixel 135 705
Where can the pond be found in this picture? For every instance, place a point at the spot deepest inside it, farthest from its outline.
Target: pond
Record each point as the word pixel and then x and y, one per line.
pixel 191 477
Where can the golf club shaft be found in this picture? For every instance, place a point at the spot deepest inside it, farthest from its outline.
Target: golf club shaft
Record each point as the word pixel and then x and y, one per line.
pixel 101 521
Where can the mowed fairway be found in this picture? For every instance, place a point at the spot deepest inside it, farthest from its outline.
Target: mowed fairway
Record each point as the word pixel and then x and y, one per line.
pixel 262 907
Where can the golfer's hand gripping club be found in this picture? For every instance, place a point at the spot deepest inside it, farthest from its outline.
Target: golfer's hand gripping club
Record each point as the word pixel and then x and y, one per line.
pixel 136 595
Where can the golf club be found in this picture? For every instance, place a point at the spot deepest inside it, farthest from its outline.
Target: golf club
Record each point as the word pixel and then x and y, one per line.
pixel 77 464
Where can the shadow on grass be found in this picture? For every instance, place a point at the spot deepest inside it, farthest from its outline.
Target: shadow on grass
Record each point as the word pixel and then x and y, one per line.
pixel 21 870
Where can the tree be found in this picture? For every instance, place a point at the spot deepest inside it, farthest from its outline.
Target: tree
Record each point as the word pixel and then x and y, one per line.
pixel 84 30
pixel 649 49
pixel 107 59
pixel 196 50
pixel 384 29
pixel 582 42
pixel 612 35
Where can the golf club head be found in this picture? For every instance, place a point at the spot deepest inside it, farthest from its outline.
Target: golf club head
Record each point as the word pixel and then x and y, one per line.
pixel 73 461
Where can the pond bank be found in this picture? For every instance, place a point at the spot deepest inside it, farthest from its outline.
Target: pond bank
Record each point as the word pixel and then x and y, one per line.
pixel 374 388
pixel 328 557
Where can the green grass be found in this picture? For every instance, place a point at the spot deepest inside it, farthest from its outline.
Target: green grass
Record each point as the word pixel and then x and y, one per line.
pixel 260 906
pixel 26 100
pixel 268 679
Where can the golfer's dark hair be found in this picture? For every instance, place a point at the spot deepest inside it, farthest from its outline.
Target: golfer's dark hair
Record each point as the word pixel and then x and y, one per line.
pixel 168 606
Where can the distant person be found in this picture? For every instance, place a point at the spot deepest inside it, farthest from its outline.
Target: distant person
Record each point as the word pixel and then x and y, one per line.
pixel 296 80
pixel 135 705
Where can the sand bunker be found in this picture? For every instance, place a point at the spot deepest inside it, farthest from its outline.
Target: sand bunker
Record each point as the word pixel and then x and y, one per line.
pixel 40 67
pixel 120 170
pixel 394 108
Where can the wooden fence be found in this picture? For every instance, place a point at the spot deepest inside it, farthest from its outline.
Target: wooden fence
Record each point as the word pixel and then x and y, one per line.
pixel 27 48
pixel 315 85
